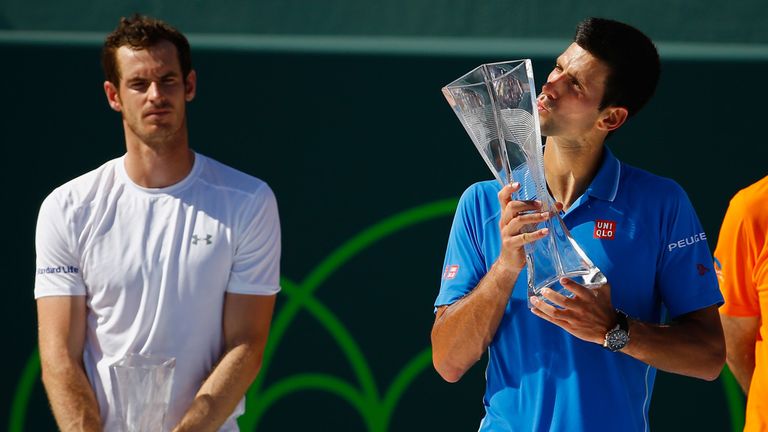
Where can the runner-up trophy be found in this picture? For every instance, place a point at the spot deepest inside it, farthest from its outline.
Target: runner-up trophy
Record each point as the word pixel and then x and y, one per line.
pixel 143 391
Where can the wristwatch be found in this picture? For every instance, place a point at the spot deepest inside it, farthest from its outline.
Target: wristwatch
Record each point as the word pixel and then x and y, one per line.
pixel 618 337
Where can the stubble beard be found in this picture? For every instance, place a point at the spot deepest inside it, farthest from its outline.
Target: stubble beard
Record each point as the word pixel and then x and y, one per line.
pixel 157 137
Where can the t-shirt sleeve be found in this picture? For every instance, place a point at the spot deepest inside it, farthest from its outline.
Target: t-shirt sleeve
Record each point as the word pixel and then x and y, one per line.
pixel 686 276
pixel 464 264
pixel 735 261
pixel 58 270
pixel 256 265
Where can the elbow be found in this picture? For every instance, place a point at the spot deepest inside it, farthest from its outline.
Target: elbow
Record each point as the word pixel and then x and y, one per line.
pixel 448 367
pixel 248 358
pixel 446 371
pixel 711 374
pixel 254 364
pixel 718 362
pixel 716 358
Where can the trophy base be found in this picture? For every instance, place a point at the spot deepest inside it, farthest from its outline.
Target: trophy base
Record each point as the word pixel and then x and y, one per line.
pixel 591 278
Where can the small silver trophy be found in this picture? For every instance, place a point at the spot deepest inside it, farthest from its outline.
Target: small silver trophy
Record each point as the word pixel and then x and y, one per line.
pixel 496 104
pixel 143 391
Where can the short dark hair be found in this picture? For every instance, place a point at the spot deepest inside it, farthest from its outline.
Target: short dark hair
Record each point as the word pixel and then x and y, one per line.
pixel 142 32
pixel 631 57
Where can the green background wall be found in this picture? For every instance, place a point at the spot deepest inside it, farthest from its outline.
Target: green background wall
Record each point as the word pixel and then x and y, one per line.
pixel 343 116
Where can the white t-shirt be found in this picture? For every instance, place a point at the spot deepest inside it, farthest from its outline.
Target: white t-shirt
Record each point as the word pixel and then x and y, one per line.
pixel 154 265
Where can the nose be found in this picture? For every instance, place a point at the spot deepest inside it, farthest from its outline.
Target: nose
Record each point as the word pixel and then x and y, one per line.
pixel 154 93
pixel 550 87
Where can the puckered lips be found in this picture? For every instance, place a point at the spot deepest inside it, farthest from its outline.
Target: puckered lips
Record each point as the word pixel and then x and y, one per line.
pixel 544 103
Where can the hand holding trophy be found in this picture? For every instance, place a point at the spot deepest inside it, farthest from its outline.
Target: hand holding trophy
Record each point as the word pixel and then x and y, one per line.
pixel 496 104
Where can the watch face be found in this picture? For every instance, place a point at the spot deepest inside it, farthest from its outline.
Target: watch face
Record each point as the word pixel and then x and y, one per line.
pixel 616 339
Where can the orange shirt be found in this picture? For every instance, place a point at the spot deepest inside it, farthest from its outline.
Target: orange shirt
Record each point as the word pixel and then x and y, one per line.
pixel 741 261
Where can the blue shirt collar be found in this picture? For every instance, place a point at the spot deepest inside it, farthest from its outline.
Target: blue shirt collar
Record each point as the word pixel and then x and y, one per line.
pixel 605 185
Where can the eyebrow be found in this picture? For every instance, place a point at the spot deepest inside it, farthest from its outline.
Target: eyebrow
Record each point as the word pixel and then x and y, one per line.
pixel 581 82
pixel 170 74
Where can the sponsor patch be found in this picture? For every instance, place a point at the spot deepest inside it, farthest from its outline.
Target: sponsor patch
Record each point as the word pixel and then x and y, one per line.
pixel 718 270
pixel 605 230
pixel 688 241
pixel 59 269
pixel 450 272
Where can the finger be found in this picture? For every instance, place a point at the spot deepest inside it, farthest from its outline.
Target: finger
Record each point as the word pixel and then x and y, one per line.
pixel 552 313
pixel 530 237
pixel 555 297
pixel 558 322
pixel 529 221
pixel 577 289
pixel 514 208
pixel 505 194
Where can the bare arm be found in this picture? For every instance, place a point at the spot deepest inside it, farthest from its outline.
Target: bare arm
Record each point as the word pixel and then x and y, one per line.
pixel 246 326
pixel 692 344
pixel 61 321
pixel 463 330
pixel 740 339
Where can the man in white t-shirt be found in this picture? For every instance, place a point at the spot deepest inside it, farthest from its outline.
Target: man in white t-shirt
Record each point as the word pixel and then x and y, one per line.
pixel 162 251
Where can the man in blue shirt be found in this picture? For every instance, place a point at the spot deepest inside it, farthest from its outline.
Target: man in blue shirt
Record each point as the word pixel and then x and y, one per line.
pixel 589 363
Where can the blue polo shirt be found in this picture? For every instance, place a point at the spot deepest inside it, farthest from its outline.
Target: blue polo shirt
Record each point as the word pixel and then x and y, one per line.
pixel 642 232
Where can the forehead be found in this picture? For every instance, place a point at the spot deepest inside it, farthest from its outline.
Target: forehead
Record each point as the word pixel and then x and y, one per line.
pixel 156 60
pixel 581 63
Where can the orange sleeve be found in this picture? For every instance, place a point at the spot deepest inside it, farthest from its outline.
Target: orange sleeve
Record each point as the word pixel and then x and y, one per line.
pixel 735 257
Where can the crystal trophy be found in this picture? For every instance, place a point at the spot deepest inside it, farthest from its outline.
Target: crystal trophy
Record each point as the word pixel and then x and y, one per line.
pixel 496 104
pixel 143 390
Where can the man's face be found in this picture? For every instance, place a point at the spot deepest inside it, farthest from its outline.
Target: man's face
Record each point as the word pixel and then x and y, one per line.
pixel 152 92
pixel 569 102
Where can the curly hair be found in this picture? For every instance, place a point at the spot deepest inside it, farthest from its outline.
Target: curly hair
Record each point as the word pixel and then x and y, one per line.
pixel 142 32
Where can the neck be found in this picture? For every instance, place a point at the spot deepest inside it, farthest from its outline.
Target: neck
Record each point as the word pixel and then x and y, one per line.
pixel 570 167
pixel 158 165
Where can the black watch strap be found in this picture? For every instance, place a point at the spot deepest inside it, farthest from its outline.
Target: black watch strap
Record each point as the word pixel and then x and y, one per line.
pixel 622 320
pixel 618 337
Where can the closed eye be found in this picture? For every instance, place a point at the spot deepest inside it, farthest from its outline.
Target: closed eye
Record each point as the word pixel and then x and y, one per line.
pixel 576 83
pixel 138 85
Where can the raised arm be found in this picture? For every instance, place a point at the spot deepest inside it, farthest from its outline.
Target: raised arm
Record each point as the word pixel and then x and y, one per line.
pixel 246 327
pixel 61 329
pixel 463 330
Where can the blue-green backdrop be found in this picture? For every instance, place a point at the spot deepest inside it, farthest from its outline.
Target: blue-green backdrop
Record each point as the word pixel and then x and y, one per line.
pixel 338 107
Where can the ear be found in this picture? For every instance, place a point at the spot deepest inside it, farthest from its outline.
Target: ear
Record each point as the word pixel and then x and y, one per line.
pixel 190 86
pixel 113 96
pixel 611 118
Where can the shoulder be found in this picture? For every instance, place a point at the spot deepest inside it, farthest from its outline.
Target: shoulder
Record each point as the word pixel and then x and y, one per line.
pixel 754 194
pixel 651 189
pixel 638 178
pixel 228 180
pixel 482 192
pixel 745 201
pixel 481 200
pixel 83 190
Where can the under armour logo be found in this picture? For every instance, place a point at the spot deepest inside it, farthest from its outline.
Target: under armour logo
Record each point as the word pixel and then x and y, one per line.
pixel 207 239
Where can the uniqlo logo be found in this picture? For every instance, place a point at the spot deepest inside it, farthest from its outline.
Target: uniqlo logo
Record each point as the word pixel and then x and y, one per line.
pixel 450 271
pixel 605 230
